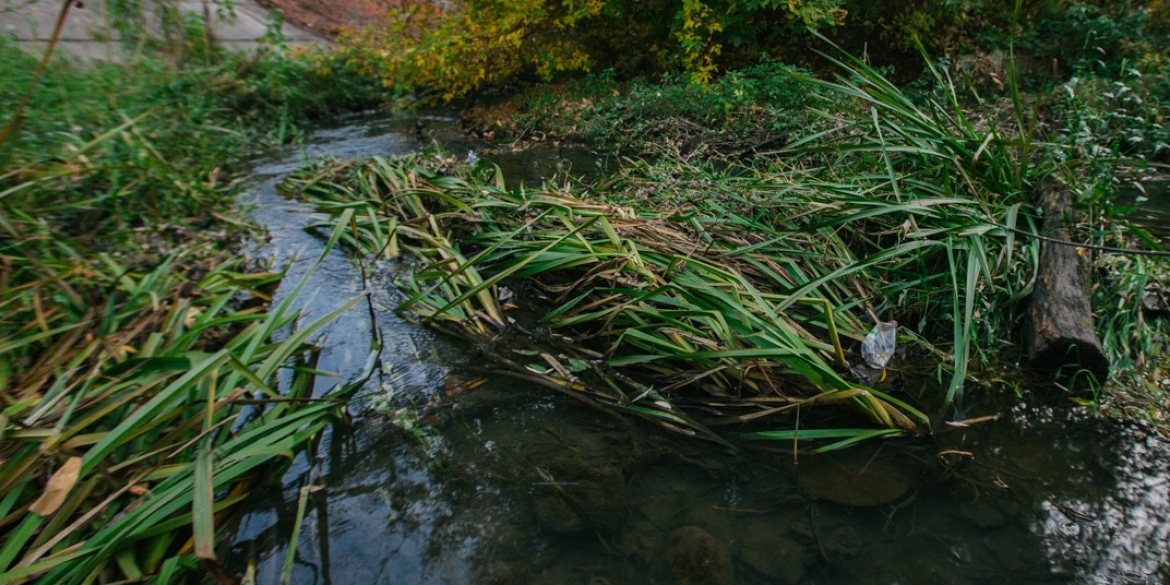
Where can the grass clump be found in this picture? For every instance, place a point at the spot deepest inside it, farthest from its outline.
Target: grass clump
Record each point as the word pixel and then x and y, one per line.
pixel 977 162
pixel 689 317
pixel 144 387
pixel 150 414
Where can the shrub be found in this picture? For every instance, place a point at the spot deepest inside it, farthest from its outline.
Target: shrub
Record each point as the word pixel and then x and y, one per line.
pixel 491 43
pixel 731 115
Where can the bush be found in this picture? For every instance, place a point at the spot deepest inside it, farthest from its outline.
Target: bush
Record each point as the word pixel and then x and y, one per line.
pixel 492 43
pixel 741 109
pixel 485 43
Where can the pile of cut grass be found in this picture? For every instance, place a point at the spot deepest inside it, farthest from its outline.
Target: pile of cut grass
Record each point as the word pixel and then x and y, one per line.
pixel 683 316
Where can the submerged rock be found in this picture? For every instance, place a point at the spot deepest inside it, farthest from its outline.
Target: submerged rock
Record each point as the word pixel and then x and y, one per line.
pixel 779 559
pixel 696 558
pixel 852 481
pixel 840 542
pixel 987 511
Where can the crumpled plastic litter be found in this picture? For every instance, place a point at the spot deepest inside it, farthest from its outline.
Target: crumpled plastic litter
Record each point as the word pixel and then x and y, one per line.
pixel 878 346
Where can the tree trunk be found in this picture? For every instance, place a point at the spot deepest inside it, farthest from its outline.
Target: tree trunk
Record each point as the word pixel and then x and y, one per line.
pixel 1062 339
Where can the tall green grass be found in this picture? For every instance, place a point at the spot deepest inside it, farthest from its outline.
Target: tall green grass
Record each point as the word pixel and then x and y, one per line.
pixel 936 191
pixel 170 402
pixel 145 383
pixel 211 110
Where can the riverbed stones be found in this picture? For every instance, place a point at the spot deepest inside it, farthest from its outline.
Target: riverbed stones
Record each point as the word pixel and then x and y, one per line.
pixel 852 481
pixel 697 558
pixel 987 511
pixel 774 556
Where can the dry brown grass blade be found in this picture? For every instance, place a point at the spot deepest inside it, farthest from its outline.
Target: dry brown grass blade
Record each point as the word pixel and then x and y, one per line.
pixel 57 488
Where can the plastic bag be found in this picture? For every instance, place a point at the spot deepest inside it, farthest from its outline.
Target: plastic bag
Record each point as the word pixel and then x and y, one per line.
pixel 879 344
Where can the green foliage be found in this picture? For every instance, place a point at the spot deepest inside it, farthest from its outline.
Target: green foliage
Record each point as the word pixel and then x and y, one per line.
pixel 485 43
pixel 492 43
pixel 1118 96
pixel 139 394
pixel 1111 124
pixel 481 43
pixel 1117 117
pixel 1086 35
pixel 703 28
pixel 196 103
pixel 758 106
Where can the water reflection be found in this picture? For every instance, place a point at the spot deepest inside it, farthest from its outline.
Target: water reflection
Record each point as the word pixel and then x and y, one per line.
pixel 520 488
pixel 1150 201
pixel 504 484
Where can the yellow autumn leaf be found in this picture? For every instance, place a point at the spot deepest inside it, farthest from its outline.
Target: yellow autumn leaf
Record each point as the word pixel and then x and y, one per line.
pixel 58 488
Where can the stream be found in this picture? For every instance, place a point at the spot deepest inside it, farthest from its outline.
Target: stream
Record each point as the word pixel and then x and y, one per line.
pixel 442 479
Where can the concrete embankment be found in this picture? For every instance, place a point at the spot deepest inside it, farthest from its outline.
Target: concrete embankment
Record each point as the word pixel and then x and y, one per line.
pixel 89 30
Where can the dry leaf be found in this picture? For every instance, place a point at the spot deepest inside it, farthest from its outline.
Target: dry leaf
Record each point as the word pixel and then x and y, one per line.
pixel 192 314
pixel 59 486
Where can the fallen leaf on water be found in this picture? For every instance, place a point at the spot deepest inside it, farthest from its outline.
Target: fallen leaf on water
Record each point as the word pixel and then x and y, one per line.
pixel 59 486
pixel 455 385
pixel 973 421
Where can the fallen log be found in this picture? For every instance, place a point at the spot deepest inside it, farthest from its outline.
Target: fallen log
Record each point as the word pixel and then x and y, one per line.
pixel 1061 338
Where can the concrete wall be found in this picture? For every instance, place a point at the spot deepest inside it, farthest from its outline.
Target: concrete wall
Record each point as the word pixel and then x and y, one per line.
pixel 87 32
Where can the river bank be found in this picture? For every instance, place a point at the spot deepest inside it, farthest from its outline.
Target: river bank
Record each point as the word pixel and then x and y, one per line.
pixel 139 355
pixel 758 123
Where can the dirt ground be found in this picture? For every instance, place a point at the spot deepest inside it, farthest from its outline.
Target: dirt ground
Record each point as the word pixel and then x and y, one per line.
pixel 329 18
